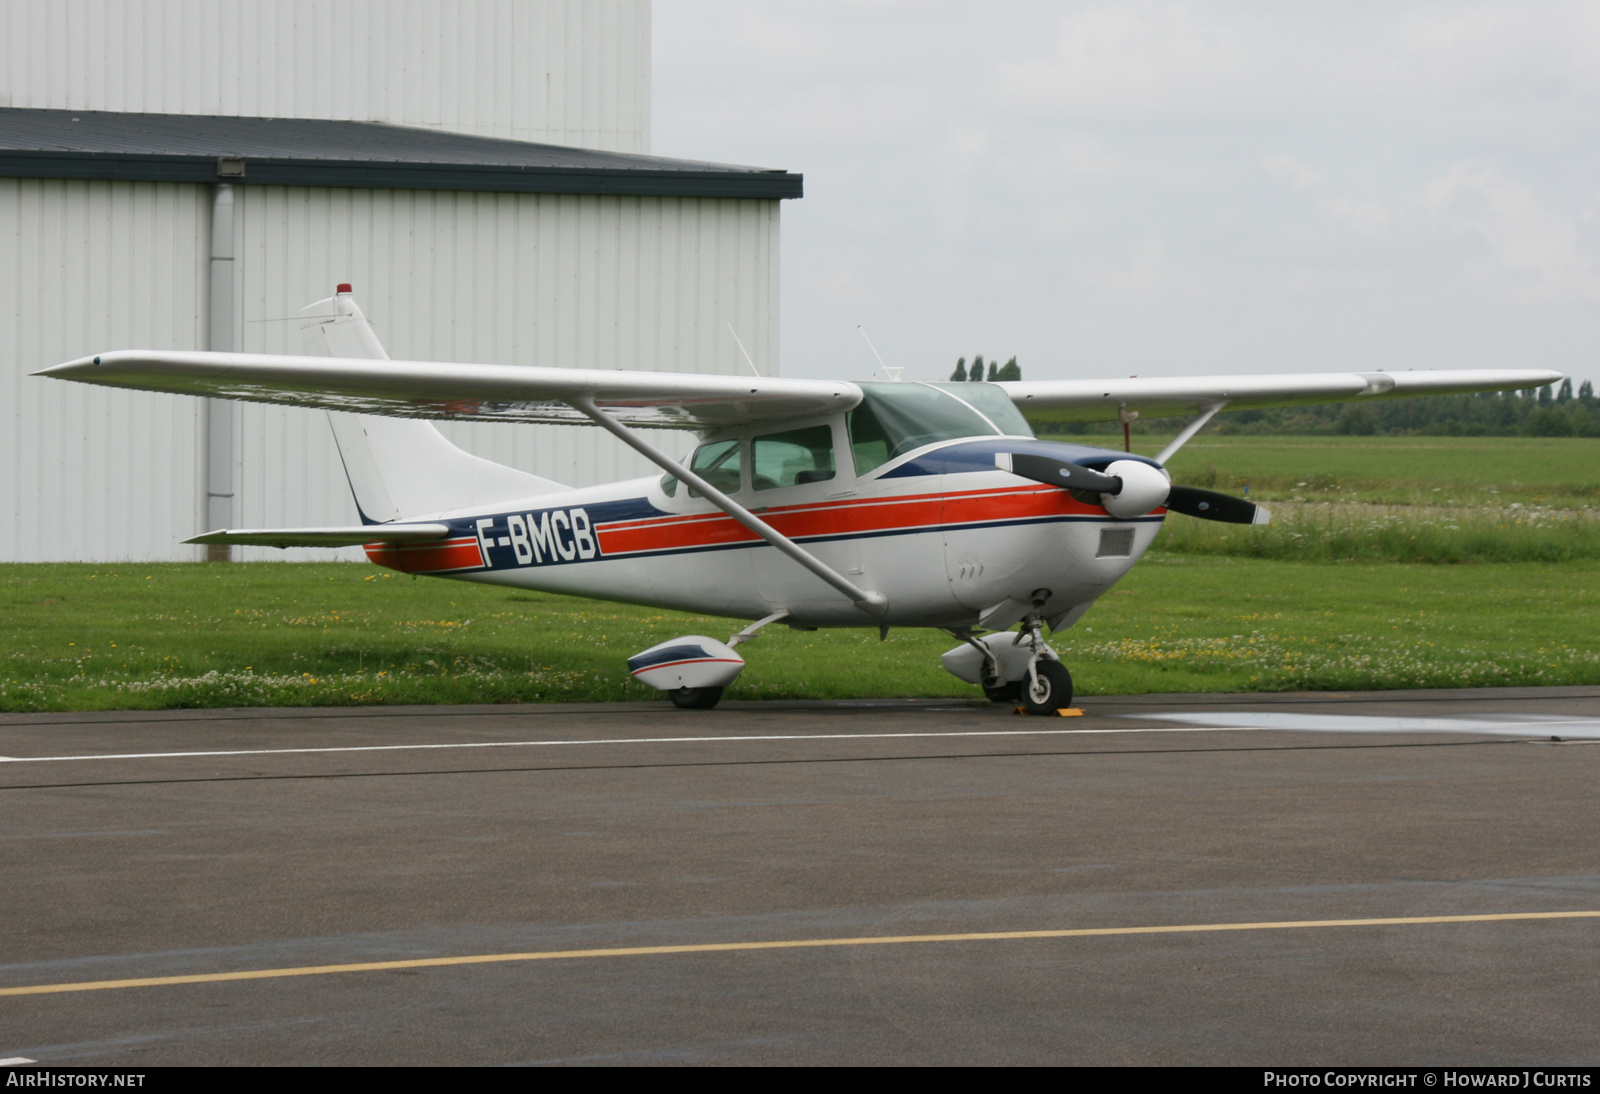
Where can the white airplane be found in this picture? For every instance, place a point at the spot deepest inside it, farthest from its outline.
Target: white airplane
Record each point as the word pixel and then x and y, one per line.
pixel 808 502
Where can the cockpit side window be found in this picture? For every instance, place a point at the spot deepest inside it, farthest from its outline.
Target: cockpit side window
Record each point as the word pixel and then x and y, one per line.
pixel 870 442
pixel 718 464
pixel 893 419
pixel 792 458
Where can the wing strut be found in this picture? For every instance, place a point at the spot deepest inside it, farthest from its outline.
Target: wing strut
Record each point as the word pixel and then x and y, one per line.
pixel 872 603
pixel 1206 414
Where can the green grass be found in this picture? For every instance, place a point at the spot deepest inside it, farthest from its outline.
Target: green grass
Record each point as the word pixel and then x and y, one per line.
pixel 1396 499
pixel 84 637
pixel 1343 590
pixel 1186 623
pixel 1431 471
pixel 1340 532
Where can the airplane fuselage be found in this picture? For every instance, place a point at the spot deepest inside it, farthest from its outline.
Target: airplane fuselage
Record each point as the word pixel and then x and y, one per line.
pixel 1000 537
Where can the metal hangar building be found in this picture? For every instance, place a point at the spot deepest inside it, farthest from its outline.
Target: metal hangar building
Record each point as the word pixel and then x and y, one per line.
pixel 188 176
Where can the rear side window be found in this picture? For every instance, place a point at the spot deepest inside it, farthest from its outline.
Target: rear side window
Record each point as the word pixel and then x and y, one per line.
pixel 718 464
pixel 794 458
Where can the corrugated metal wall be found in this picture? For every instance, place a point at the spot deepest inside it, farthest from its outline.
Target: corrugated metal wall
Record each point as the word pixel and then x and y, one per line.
pixel 89 473
pixel 594 282
pixel 556 71
pixel 93 474
pixel 534 279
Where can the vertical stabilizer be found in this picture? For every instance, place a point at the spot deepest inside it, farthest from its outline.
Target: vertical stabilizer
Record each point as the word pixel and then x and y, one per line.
pixel 400 468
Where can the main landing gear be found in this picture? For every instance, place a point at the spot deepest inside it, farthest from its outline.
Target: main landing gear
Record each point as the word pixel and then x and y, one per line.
pixel 693 669
pixel 695 698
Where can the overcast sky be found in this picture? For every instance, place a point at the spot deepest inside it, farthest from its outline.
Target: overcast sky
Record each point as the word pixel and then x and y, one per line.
pixel 1161 189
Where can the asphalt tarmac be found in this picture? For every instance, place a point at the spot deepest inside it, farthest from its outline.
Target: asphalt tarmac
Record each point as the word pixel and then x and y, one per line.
pixel 782 883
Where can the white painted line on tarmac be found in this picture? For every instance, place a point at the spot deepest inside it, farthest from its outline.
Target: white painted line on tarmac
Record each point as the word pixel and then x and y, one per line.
pixel 740 739
pixel 1524 728
pixel 1384 723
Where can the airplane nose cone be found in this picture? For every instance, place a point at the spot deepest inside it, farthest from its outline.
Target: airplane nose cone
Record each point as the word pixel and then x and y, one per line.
pixel 1143 488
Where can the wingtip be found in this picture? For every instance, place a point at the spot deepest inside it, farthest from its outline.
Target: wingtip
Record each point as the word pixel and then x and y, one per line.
pixel 69 369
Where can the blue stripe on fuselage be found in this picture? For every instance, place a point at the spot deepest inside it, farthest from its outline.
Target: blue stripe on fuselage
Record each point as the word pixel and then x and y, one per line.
pixel 978 455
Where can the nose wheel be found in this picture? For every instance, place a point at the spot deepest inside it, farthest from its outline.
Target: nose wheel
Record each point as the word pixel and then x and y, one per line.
pixel 1048 689
pixel 1046 686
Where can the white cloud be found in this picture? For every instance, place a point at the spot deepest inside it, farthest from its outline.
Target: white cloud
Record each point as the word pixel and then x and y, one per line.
pixel 1085 156
pixel 1237 59
pixel 1126 58
pixel 1143 269
pixel 1522 236
pixel 1365 217
pixel 1086 182
pixel 1292 171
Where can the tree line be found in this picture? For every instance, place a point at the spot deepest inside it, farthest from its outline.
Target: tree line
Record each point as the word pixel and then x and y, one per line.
pixel 1008 371
pixel 1536 412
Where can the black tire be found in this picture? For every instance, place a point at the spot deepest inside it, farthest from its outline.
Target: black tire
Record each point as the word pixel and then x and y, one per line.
pixel 1052 691
pixel 999 690
pixel 1005 693
pixel 695 698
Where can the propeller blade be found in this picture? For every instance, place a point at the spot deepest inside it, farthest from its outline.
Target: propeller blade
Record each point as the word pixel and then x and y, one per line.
pixel 1054 472
pixel 1209 505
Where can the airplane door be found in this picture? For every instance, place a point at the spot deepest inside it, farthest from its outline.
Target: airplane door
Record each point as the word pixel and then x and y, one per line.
pixel 803 489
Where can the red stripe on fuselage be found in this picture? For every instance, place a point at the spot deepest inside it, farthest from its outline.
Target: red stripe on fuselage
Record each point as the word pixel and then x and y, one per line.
pixel 691 661
pixel 427 558
pixel 842 518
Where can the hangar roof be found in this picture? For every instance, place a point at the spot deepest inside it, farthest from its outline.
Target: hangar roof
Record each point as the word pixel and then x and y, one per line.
pixel 90 144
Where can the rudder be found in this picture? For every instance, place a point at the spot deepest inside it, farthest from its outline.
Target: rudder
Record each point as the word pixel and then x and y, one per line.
pixel 400 468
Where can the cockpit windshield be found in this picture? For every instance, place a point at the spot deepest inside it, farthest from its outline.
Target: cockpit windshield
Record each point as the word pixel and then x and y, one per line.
pixel 895 418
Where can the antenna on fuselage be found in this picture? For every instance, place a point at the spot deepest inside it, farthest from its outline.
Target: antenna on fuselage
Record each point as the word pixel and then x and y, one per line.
pixel 742 350
pixel 892 373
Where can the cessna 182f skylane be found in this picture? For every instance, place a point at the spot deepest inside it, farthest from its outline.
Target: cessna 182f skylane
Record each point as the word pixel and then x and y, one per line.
pixel 809 502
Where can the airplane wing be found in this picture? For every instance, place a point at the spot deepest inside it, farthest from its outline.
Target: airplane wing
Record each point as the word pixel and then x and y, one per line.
pixel 1155 397
pixel 521 393
pixel 353 536
pixel 433 389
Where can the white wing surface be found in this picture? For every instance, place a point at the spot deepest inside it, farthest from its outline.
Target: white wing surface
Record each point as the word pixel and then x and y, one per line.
pixel 1100 400
pixel 432 389
pixel 519 393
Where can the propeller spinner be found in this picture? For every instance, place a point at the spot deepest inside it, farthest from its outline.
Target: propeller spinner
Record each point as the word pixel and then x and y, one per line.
pixel 1129 488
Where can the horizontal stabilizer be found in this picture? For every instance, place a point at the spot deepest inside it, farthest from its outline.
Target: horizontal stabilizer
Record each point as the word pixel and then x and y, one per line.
pixel 325 537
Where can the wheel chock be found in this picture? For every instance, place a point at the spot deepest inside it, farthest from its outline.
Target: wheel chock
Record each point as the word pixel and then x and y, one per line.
pixel 1064 712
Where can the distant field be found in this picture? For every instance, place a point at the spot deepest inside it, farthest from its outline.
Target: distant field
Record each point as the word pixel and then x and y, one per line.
pixel 1435 471
pixel 78 637
pixel 1401 499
